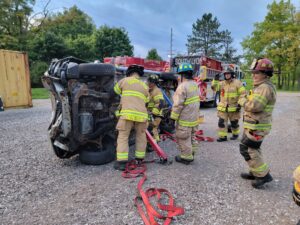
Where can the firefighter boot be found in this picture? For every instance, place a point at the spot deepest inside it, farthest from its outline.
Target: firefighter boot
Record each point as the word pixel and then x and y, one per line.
pixel 260 181
pixel 149 148
pixel 181 160
pixel 247 176
pixel 234 137
pixel 139 161
pixel 221 139
pixel 120 165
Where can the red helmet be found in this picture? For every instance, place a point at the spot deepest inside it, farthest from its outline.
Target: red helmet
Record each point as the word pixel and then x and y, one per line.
pixel 263 65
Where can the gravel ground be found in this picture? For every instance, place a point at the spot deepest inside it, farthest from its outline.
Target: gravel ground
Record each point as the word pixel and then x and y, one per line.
pixel 38 188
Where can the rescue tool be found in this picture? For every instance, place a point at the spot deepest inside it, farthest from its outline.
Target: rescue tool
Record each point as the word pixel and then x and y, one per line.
pixel 161 154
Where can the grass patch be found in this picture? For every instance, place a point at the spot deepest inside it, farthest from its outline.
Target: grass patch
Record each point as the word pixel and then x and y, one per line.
pixel 249 83
pixel 39 93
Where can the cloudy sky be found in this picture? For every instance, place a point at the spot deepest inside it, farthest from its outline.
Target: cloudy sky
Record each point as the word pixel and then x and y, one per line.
pixel 149 22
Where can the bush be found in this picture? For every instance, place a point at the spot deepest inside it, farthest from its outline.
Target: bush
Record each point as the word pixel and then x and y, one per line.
pixel 37 70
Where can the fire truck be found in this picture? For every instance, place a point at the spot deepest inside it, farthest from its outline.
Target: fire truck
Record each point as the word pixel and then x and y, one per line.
pixel 125 61
pixel 205 69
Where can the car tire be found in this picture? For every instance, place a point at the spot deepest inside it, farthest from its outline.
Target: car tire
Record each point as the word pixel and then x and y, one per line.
pixel 94 156
pixel 87 70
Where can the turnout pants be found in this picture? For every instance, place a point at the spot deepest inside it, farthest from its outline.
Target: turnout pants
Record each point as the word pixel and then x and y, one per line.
pixel 233 117
pixel 185 141
pixel 250 150
pixel 124 128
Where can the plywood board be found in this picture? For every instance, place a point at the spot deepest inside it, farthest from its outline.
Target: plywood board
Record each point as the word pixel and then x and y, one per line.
pixel 15 86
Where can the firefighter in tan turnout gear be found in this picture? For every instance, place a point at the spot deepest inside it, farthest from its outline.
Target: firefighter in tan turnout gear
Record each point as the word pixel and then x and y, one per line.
pixel 296 190
pixel 231 90
pixel 156 102
pixel 133 115
pixel 185 112
pixel 258 108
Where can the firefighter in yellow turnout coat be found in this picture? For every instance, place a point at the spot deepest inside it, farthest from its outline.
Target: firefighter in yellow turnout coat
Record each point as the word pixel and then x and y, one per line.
pixel 231 90
pixel 133 114
pixel 258 108
pixel 296 190
pixel 185 112
pixel 156 102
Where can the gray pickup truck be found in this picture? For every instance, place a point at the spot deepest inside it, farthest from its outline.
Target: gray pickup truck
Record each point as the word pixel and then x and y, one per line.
pixel 83 108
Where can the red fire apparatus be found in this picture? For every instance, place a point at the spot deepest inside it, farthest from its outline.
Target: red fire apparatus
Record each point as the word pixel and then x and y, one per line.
pixel 205 69
pixel 125 61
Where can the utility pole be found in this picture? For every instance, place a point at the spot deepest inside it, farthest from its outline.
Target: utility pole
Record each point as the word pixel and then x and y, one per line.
pixel 171 45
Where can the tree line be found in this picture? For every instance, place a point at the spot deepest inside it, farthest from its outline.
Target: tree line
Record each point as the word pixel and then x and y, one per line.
pixel 57 35
pixel 46 35
pixel 278 38
pixel 209 40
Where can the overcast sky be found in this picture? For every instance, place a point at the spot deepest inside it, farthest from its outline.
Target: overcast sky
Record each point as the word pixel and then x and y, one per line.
pixel 149 22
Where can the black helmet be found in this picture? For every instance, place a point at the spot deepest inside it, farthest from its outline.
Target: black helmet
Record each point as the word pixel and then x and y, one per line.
pixel 134 68
pixel 230 71
pixel 153 78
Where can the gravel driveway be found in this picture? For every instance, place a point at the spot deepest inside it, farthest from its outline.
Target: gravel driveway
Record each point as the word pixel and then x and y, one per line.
pixel 38 188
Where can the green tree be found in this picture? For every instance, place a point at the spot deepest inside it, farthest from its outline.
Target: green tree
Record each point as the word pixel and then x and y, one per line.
pixel 43 48
pixel 229 53
pixel 153 55
pixel 14 23
pixel 277 38
pixel 112 42
pixel 47 46
pixel 206 37
pixel 83 47
pixel 73 29
pixel 37 69
pixel 71 23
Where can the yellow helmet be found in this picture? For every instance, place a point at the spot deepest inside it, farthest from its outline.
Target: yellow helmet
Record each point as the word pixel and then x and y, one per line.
pixel 297 174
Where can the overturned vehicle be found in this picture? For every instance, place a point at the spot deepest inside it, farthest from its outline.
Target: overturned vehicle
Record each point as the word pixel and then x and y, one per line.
pixel 83 108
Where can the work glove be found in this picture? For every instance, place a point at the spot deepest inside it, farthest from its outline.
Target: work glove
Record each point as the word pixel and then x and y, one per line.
pixel 238 108
pixel 217 77
pixel 242 101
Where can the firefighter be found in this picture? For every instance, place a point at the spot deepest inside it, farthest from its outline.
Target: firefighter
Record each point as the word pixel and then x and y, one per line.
pixel 258 107
pixel 231 90
pixel 133 115
pixel 185 112
pixel 296 190
pixel 155 104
